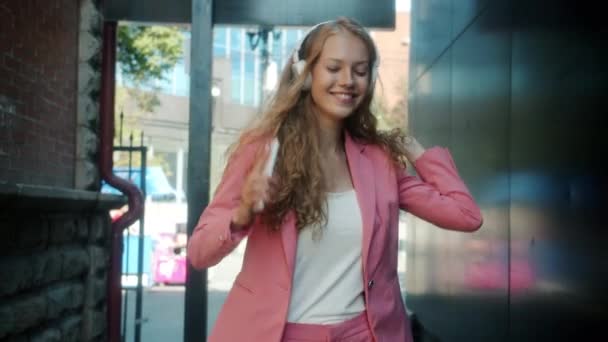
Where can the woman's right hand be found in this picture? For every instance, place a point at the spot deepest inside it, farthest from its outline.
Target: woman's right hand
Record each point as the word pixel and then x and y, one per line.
pixel 413 148
pixel 255 190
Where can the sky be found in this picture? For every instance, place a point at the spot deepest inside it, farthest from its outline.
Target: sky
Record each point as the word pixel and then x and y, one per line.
pixel 403 5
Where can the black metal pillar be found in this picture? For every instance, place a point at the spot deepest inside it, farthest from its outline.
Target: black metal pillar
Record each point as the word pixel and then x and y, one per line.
pixel 199 160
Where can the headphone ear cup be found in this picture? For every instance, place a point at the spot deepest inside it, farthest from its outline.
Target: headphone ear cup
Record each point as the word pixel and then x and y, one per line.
pixel 298 68
pixel 308 82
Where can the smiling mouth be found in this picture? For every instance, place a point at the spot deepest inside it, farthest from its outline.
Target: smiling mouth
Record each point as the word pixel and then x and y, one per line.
pixel 346 98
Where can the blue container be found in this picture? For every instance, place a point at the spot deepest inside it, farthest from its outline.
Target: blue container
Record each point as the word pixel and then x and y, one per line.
pixel 129 261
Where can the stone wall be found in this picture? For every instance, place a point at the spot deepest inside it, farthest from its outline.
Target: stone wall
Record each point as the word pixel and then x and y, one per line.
pixel 89 84
pixel 54 259
pixel 54 240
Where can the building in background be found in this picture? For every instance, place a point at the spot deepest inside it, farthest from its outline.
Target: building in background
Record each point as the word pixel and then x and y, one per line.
pixel 394 49
pixel 237 90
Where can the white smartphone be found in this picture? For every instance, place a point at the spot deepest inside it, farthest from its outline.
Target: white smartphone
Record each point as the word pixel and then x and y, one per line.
pixel 269 167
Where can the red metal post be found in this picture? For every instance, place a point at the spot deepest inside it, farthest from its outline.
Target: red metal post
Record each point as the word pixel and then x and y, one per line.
pixel 135 197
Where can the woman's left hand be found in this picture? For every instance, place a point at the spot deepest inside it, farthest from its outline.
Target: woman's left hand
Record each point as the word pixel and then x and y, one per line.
pixel 413 149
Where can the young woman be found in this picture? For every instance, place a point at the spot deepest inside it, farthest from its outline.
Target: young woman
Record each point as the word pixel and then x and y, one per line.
pixel 321 256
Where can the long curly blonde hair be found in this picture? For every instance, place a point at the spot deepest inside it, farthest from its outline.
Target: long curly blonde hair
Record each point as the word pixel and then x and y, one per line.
pixel 289 114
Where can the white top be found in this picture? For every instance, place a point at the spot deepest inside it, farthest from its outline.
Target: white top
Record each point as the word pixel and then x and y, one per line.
pixel 328 278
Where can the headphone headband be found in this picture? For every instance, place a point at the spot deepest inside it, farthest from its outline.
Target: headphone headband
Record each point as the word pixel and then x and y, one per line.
pixel 296 54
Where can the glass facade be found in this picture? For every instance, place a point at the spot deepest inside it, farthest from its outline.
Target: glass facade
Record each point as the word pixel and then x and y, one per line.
pixel 231 42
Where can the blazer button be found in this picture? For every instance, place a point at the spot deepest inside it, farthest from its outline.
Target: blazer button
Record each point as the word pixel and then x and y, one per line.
pixel 370 284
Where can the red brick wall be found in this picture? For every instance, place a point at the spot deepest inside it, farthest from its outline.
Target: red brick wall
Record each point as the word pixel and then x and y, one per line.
pixel 38 89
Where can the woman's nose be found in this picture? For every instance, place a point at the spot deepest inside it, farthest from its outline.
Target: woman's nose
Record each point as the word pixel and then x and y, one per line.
pixel 346 77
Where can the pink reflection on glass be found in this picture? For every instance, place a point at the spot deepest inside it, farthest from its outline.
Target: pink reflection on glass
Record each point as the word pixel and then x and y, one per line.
pixel 491 275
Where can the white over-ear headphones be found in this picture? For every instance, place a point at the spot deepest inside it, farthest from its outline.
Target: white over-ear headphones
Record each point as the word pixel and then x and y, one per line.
pixel 299 63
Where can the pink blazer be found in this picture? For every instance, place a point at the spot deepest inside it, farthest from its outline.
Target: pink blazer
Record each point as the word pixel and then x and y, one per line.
pixel 256 307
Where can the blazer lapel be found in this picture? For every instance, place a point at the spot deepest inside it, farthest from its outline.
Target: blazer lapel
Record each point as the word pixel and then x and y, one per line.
pixel 362 173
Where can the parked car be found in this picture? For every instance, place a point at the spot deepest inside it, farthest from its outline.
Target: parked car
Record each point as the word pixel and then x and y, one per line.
pixel 158 188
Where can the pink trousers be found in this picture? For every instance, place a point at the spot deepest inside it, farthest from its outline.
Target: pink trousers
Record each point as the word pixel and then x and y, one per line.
pixel 354 330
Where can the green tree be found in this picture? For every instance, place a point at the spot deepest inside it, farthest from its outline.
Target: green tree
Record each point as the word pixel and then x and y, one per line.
pixel 145 54
pixel 395 116
pixel 399 113
pixel 378 108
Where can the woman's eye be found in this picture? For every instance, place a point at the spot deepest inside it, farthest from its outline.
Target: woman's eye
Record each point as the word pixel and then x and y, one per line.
pixel 333 69
pixel 361 73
